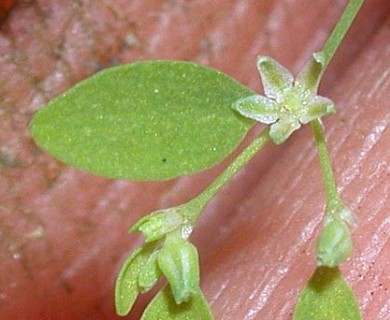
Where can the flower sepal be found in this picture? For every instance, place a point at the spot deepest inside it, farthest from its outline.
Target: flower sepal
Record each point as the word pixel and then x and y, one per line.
pixel 157 224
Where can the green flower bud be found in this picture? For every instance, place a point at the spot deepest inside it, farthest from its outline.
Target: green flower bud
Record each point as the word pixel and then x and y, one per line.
pixel 334 245
pixel 178 260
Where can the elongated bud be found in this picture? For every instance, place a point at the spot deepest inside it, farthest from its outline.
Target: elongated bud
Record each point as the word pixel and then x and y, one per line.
pixel 178 260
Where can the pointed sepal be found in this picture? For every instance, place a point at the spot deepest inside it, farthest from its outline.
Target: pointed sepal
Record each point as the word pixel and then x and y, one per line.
pixel 276 78
pixel 126 286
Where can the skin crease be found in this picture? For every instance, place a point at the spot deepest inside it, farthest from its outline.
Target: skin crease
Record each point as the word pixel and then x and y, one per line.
pixel 63 232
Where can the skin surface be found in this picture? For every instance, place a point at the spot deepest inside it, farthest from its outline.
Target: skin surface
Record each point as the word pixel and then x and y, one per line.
pixel 63 232
pixel 5 7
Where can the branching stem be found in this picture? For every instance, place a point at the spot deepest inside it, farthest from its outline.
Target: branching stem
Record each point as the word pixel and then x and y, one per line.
pixel 203 198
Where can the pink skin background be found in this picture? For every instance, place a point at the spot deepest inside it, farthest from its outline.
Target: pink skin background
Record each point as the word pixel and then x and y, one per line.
pixel 63 232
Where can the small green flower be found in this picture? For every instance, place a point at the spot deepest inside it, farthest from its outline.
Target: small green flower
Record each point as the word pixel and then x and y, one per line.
pixel 172 256
pixel 167 253
pixel 287 104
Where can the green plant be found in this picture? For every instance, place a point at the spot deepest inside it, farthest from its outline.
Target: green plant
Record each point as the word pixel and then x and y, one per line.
pixel 157 120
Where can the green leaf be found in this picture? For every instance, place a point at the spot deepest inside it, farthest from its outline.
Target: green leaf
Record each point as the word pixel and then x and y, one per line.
pixel 179 262
pixel 150 120
pixel 163 306
pixel 126 286
pixel 327 296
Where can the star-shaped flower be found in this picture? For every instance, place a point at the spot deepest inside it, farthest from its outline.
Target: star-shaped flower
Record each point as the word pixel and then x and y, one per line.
pixel 287 104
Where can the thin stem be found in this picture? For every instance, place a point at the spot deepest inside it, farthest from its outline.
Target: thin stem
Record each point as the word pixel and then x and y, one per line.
pixel 332 196
pixel 340 30
pixel 335 206
pixel 203 198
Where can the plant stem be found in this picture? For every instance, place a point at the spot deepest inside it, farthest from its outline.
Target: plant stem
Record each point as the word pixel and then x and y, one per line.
pixel 340 30
pixel 330 47
pixel 332 196
pixel 326 55
pixel 243 158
